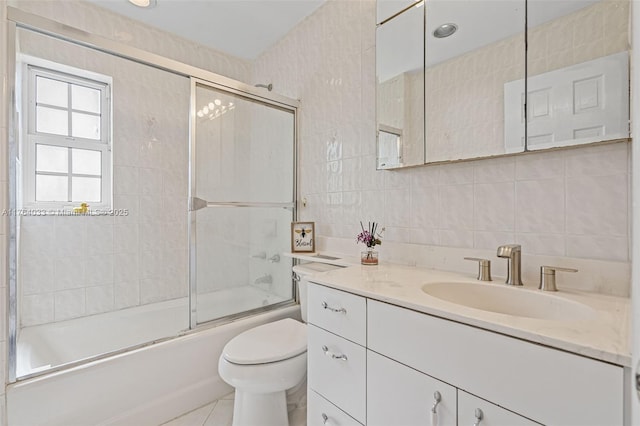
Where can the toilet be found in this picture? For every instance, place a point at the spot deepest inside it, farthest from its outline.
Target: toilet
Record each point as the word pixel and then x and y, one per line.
pixel 264 362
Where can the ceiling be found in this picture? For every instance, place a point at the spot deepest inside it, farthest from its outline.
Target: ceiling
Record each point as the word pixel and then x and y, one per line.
pixel 243 28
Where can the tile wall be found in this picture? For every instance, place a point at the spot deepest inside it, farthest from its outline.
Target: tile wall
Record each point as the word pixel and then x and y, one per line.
pixel 569 203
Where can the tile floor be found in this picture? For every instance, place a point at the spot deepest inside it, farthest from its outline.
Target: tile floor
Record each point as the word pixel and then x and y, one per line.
pixel 220 413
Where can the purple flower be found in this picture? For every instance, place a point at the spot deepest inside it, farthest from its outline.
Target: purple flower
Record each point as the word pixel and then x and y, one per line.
pixel 369 237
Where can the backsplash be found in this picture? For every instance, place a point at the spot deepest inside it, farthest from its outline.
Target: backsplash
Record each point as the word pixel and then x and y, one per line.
pixel 567 203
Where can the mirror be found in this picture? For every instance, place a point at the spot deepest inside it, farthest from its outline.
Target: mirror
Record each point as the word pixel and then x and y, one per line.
pixel 468 77
pixel 577 72
pixel 400 89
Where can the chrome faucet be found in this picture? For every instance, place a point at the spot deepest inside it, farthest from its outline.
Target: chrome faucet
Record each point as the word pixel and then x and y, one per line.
pixel 513 253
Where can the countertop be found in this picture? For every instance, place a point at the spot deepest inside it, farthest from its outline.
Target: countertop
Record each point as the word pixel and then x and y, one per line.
pixel 604 336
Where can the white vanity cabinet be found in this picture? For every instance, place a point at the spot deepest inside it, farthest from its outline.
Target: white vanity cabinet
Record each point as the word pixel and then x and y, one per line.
pixel 389 375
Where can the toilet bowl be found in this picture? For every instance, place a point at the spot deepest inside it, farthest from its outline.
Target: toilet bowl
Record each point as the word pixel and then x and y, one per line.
pixel 264 362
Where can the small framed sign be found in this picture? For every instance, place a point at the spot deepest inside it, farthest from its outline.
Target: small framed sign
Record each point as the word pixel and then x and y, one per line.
pixel 303 237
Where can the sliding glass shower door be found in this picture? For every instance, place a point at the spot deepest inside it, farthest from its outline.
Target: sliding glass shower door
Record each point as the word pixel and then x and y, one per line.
pixel 241 204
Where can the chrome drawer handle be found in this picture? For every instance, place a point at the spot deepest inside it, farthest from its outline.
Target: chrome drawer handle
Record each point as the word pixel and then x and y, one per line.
pixel 434 414
pixel 339 310
pixel 479 416
pixel 342 357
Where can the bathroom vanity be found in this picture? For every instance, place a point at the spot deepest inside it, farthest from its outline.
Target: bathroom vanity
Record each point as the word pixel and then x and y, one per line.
pixel 409 346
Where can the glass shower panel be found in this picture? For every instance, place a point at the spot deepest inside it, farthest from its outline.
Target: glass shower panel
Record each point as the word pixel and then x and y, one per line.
pixel 244 149
pixel 96 283
pixel 239 262
pixel 242 188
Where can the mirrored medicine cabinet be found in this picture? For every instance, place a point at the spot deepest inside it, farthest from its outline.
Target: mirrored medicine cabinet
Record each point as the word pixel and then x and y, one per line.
pixel 452 76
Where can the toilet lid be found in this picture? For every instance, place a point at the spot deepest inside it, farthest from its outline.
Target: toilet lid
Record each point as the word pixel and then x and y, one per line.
pixel 271 342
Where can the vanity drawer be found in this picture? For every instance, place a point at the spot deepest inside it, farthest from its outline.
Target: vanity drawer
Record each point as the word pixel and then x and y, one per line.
pixel 541 383
pixel 337 371
pixel 492 415
pixel 339 312
pixel 321 412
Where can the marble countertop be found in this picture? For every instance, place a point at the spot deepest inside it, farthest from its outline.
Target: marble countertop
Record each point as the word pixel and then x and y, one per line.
pixel 605 335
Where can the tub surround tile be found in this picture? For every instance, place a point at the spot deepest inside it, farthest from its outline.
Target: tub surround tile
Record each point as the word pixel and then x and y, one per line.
pixel 69 304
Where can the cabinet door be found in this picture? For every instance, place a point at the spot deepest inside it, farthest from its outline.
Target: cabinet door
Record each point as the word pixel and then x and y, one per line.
pixel 489 414
pixel 401 396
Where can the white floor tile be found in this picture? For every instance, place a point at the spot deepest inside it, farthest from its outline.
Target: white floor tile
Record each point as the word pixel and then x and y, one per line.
pixel 222 414
pixel 194 418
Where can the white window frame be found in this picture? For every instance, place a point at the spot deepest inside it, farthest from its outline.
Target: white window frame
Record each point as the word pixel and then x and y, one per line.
pixel 32 68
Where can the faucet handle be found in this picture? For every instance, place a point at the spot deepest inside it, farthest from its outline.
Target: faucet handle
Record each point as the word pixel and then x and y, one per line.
pixel 484 268
pixel 548 277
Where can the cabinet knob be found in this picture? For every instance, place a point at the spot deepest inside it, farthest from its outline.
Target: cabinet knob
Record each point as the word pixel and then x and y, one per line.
pixel 479 416
pixel 338 310
pixel 327 352
pixel 325 419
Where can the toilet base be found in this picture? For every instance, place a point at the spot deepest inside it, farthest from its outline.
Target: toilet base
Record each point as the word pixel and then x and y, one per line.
pixel 264 409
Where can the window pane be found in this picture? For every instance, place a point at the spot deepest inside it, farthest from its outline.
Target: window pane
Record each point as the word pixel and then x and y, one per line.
pixel 86 162
pixel 51 188
pixel 52 158
pixel 85 99
pixel 85 189
pixel 85 126
pixel 49 120
pixel 52 92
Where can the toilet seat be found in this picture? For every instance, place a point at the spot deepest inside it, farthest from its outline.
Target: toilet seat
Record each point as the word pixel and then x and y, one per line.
pixel 272 342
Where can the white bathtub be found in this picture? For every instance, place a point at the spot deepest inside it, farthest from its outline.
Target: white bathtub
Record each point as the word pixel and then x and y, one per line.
pixel 43 346
pixel 140 387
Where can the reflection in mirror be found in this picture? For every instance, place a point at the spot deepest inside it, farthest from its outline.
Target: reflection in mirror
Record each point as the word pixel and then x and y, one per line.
pixel 577 76
pixel 400 89
pixel 467 76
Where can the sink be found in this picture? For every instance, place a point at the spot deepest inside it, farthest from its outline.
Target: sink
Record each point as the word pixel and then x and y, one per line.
pixel 514 301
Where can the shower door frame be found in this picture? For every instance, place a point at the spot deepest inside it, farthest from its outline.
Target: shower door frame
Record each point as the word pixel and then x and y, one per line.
pixel 18 19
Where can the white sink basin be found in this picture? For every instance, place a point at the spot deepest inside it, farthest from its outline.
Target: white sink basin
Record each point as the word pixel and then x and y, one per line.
pixel 515 301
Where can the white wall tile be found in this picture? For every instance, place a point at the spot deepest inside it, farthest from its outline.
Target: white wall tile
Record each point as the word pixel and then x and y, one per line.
pixel 597 205
pixel 69 304
pixel 546 244
pixel 598 160
pixel 495 170
pixel 491 240
pixel 36 309
pixel 69 272
pixel 456 207
pixel 99 270
pixel 37 276
pixel 494 206
pixel 127 294
pixel 456 238
pixel 99 299
pixel 540 206
pixel 395 207
pixel 598 247
pixel 546 165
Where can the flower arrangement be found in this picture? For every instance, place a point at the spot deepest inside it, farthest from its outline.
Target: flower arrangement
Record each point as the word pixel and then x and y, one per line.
pixel 370 237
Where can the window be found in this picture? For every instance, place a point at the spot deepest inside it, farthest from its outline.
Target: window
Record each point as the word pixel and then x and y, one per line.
pixel 67 156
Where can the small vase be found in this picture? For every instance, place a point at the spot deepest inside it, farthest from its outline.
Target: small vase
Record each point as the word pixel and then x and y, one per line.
pixel 369 257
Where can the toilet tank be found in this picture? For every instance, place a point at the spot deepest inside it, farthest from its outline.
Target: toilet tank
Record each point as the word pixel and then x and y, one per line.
pixel 302 273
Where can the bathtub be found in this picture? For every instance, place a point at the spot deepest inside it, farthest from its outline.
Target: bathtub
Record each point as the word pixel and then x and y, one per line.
pixel 145 386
